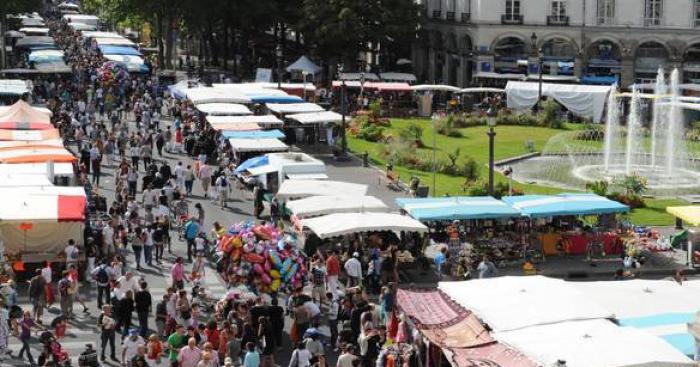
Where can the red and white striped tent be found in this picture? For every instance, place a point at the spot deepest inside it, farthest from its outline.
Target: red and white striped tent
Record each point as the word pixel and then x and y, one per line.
pixel 36 154
pixel 22 116
pixel 41 219
pixel 29 135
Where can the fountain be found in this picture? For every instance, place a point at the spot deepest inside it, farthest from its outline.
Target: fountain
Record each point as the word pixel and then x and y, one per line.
pixel 657 153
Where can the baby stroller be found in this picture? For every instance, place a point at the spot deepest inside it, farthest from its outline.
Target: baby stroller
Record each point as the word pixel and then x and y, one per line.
pixel 52 352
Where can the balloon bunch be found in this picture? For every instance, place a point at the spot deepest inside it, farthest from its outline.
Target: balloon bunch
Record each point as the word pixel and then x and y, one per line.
pixel 112 71
pixel 263 256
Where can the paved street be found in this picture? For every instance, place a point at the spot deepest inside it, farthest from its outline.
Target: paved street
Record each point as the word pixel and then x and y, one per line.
pixel 83 329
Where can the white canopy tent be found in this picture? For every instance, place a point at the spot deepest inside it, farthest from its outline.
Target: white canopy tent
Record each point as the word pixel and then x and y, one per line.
pixel 263 121
pixel 511 302
pixel 224 109
pixel 37 169
pixel 35 31
pixel 321 205
pixel 482 90
pixel 339 224
pixel 82 18
pixel 201 95
pixel 13 87
pixel 358 76
pixel 114 41
pixel 304 65
pixel 592 343
pixel 23 180
pixel 583 100
pixel 435 88
pixel 398 77
pixel 285 108
pixel 316 117
pixel 101 34
pixel 304 188
pixel 258 145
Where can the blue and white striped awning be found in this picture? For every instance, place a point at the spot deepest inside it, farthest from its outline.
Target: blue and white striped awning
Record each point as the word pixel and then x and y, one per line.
pixel 538 206
pixel 456 208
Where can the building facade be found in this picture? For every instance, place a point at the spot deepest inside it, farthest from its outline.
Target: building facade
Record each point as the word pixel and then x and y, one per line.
pixel 480 42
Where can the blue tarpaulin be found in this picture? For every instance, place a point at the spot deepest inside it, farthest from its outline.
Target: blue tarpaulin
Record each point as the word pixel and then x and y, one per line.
pixel 119 50
pixel 252 163
pixel 255 134
pixel 456 208
pixel 272 98
pixel 538 206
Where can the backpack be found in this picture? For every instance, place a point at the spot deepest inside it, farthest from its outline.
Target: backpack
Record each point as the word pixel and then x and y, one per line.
pixel 102 276
pixel 74 254
pixel 224 181
pixel 63 287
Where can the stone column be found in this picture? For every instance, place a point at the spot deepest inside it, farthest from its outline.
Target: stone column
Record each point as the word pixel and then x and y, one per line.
pixel 579 62
pixel 462 71
pixel 447 62
pixel 431 65
pixel 627 75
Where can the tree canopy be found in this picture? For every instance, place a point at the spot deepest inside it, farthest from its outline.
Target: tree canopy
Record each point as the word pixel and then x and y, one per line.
pixel 248 30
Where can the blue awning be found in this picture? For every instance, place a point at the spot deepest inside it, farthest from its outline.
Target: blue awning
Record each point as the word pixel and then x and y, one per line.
pixel 252 163
pixel 456 208
pixel 598 80
pixel 119 50
pixel 262 98
pixel 255 134
pixel 538 206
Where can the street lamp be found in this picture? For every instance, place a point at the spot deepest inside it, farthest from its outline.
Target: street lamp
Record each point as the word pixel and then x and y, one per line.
pixel 343 141
pixel 491 120
pixel 278 53
pixel 540 62
pixel 434 119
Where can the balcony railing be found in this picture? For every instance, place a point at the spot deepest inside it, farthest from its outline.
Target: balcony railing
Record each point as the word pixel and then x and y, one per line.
pixel 512 19
pixel 652 22
pixel 437 14
pixel 466 17
pixel 450 16
pixel 606 20
pixel 558 20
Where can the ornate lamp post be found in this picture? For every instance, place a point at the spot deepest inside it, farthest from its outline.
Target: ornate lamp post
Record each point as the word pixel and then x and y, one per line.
pixel 540 62
pixel 491 118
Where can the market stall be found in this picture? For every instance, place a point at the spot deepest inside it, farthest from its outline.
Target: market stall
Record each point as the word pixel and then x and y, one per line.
pixel 33 154
pixel 252 134
pixel 293 108
pixel 29 135
pixel 258 145
pixel 339 224
pixel 37 222
pixel 566 238
pixel 199 95
pixel 297 189
pixel 264 121
pixel 583 100
pixel 456 208
pixel 12 87
pixel 321 205
pixel 223 109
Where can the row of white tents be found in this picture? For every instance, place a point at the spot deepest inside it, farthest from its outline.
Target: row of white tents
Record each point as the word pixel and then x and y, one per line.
pixel 553 321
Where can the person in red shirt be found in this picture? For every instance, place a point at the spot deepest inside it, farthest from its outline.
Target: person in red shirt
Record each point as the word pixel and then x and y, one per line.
pixel 332 273
pixel 212 334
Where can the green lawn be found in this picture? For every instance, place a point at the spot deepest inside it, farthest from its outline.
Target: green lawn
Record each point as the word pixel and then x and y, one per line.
pixel 510 142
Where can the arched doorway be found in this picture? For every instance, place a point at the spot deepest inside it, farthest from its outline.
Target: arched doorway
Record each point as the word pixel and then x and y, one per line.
pixel 691 64
pixel 439 48
pixel 650 56
pixel 510 56
pixel 604 63
pixel 453 62
pixel 469 59
pixel 559 56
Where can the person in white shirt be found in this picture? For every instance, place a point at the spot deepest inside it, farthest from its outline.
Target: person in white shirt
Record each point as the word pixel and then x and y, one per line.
pixel 107 239
pixel 222 187
pixel 301 357
pixel 126 283
pixel 130 345
pixel 353 268
pixel 348 356
pixel 179 176
pixel 72 253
